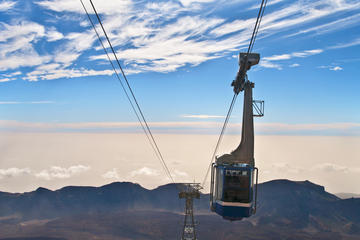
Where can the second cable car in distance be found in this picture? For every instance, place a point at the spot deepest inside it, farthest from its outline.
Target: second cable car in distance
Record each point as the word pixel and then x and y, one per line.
pixel 234 177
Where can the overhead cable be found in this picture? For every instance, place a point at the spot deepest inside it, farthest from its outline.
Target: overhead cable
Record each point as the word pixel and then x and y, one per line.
pixel 139 114
pixel 220 136
pixel 118 77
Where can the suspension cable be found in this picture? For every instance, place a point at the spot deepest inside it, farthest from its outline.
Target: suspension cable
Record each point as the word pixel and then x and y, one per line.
pixel 143 122
pixel 262 10
pixel 220 136
pixel 251 45
pixel 118 77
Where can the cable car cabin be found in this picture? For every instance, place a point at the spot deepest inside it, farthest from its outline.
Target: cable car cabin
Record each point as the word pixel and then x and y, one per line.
pixel 233 192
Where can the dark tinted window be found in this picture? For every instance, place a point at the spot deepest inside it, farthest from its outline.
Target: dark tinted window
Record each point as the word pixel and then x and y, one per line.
pixel 236 187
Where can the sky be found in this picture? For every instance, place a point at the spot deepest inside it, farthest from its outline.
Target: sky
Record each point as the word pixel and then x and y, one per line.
pixel 65 120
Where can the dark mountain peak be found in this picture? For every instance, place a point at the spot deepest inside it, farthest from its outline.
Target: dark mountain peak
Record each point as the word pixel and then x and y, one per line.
pixel 115 186
pixel 42 190
pixel 122 186
pixel 285 183
pixel 312 185
pixel 170 188
pixel 167 187
pixel 69 189
pixel 299 190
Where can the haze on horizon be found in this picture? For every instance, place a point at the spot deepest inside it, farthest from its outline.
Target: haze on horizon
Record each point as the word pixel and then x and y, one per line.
pixel 95 159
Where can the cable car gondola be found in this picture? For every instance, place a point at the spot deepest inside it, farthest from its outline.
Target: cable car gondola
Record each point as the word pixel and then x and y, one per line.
pixel 235 191
pixel 234 177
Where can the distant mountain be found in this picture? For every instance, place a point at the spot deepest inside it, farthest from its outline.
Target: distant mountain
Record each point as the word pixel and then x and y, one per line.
pixel 286 210
pixel 118 196
pixel 347 195
pixel 33 238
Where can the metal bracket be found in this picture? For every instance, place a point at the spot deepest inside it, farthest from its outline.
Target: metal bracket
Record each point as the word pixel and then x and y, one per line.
pixel 212 187
pixel 258 106
pixel 256 188
pixel 245 62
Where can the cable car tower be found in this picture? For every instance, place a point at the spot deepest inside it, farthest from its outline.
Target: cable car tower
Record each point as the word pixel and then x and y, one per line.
pixel 189 192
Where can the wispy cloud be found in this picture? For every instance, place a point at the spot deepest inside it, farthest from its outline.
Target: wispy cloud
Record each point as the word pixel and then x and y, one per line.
pixel 14 172
pixel 106 7
pixel 56 172
pixel 18 49
pixel 31 102
pixel 179 173
pixel 325 167
pixel 355 42
pixel 331 67
pixel 12 74
pixel 125 126
pixel 334 168
pixel 285 127
pixel 342 23
pixel 202 116
pixel 267 62
pixel 57 71
pixel 145 171
pixel 53 35
pixel 190 40
pixel 188 127
pixel 6 79
pixel 159 36
pixel 286 167
pixel 111 174
pixel 301 54
pixel 336 68
pixel 302 12
pixel 187 3
pixel 6 5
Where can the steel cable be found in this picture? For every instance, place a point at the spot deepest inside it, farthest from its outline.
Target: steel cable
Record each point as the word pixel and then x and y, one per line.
pixel 143 123
pixel 118 77
pixel 220 136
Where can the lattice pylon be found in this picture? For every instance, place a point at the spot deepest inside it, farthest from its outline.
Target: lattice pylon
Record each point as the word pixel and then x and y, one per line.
pixel 189 192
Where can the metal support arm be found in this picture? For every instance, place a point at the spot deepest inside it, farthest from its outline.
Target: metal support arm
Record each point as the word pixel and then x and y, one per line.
pixel 244 153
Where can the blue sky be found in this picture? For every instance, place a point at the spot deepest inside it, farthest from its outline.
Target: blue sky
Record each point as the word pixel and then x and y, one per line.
pixel 62 109
pixel 181 57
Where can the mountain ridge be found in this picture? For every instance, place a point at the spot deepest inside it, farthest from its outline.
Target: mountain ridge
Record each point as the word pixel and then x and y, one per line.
pixel 301 208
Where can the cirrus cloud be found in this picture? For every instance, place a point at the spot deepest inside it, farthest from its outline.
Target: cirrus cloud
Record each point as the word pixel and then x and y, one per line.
pixel 161 36
pixel 6 5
